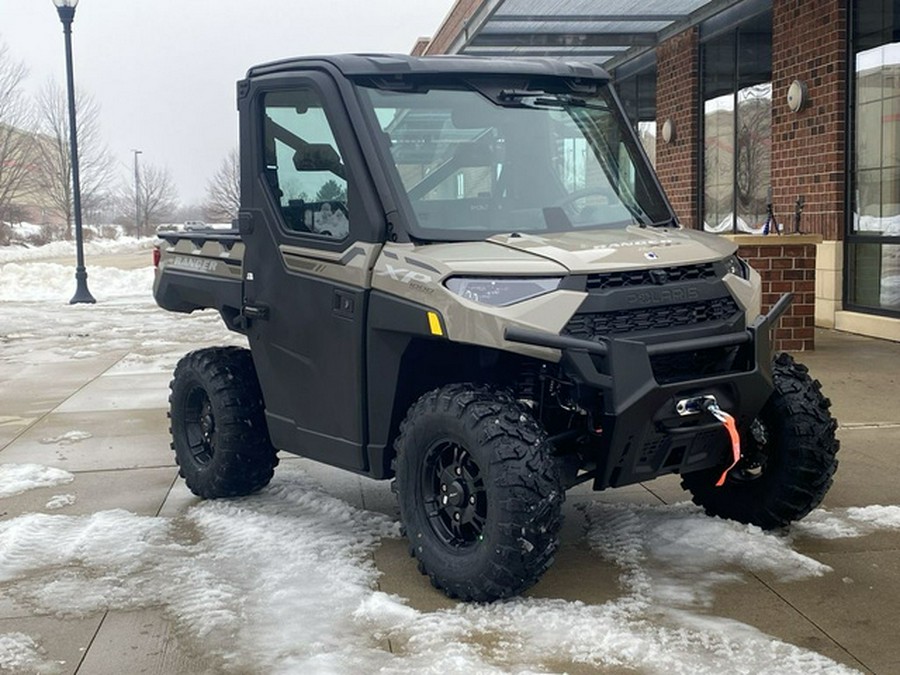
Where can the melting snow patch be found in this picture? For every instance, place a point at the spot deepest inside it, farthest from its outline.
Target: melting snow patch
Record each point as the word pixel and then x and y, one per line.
pixel 284 582
pixel 59 502
pixel 21 654
pixel 67 438
pixel 882 517
pixel 855 521
pixel 18 478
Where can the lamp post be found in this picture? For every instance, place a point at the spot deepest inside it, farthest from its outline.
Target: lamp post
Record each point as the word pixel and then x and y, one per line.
pixel 137 195
pixel 66 10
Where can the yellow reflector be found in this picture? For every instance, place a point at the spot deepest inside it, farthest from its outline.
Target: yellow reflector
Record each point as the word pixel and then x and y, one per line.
pixel 434 322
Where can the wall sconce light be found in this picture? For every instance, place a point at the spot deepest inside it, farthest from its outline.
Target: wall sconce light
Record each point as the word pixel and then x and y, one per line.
pixel 797 96
pixel 668 130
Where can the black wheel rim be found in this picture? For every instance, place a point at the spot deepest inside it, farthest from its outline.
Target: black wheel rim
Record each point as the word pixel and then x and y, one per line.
pixel 200 426
pixel 454 494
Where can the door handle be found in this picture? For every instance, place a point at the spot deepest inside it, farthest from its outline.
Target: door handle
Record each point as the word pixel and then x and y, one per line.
pixel 343 304
pixel 259 312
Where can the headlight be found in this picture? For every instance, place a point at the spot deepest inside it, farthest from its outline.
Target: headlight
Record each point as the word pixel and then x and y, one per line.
pixel 500 292
pixel 737 266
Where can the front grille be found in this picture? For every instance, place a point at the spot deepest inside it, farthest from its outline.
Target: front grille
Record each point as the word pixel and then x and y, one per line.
pixel 592 326
pixel 692 365
pixel 655 276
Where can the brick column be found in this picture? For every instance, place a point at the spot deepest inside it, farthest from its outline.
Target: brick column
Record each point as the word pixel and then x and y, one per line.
pixel 677 99
pixel 809 43
pixel 787 265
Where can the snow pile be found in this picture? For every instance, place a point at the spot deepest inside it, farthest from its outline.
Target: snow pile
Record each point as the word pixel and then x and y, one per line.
pixel 51 282
pixel 21 654
pixel 125 319
pixel 284 581
pixel 18 478
pixel 60 249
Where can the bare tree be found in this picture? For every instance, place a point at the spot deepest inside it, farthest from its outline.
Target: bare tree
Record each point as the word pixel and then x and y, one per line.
pixel 16 139
pixel 223 191
pixel 54 164
pixel 157 197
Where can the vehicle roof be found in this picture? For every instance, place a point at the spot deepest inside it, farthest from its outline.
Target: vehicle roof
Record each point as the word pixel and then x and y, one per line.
pixel 402 64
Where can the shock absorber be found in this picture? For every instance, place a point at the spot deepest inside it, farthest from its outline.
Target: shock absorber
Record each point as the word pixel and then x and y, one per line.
pixel 528 384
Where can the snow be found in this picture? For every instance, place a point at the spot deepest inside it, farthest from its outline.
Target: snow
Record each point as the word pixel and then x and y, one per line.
pixel 18 478
pixel 19 653
pixel 284 581
pixel 51 282
pixel 855 521
pixel 68 438
pixel 60 249
pixel 59 502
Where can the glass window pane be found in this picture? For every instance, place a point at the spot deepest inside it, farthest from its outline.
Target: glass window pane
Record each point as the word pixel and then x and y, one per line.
pixel 304 168
pixel 868 135
pixel 890 132
pixel 875 276
pixel 754 146
pixel 737 95
pixel 647 134
pixel 889 297
pixel 718 164
pixel 873 272
pixel 868 200
pixel 469 163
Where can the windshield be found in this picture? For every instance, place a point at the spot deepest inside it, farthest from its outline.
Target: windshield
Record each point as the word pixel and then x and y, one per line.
pixel 477 163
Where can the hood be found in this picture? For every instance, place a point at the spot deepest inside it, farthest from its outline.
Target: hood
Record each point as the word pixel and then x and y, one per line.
pixel 634 247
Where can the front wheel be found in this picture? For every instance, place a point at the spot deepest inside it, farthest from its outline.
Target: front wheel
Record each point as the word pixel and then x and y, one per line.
pixel 479 492
pixel 788 457
pixel 218 424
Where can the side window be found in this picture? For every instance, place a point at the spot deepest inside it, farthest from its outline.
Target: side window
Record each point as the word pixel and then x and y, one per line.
pixel 304 168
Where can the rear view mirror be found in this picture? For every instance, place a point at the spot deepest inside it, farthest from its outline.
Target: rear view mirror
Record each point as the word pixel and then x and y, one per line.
pixel 318 157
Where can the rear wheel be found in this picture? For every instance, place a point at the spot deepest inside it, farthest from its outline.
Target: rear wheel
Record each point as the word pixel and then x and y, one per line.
pixel 479 491
pixel 218 424
pixel 788 457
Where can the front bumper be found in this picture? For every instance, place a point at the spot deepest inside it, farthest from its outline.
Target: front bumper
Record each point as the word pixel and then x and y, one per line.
pixel 643 436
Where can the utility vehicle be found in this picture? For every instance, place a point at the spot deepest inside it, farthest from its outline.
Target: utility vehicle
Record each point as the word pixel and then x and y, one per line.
pixel 462 274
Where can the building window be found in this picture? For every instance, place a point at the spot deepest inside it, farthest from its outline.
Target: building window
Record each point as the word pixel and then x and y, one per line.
pixel 873 240
pixel 737 127
pixel 638 95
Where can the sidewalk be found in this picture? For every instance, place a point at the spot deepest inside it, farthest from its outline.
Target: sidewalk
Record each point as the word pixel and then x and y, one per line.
pixel 120 458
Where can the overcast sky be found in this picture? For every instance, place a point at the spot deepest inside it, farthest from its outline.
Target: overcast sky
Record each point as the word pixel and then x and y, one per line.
pixel 164 71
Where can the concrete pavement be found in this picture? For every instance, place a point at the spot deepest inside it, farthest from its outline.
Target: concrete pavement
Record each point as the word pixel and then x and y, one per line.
pixel 125 463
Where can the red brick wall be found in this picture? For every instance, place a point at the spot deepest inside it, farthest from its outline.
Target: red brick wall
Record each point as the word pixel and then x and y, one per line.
pixel 787 267
pixel 677 95
pixel 809 44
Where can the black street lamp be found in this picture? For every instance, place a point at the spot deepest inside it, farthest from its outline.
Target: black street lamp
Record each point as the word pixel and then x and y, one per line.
pixel 66 10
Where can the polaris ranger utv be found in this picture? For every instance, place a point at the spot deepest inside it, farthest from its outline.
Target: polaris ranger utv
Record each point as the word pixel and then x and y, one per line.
pixel 462 274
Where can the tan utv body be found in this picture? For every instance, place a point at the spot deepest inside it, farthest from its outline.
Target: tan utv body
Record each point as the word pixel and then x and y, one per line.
pixel 462 274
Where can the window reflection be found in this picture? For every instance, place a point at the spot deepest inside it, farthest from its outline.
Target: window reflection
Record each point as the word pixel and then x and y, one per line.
pixel 874 233
pixel 737 126
pixel 638 96
pixel 877 140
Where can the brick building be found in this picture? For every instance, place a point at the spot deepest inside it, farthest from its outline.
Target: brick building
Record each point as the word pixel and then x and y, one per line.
pixel 742 104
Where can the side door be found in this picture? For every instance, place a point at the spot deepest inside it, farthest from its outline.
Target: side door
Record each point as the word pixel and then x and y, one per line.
pixel 312 226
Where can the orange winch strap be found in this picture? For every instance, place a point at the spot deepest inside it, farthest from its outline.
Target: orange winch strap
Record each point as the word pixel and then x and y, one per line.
pixel 731 426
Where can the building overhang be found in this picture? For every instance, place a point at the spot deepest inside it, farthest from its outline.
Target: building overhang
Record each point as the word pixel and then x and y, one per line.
pixel 607 32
